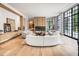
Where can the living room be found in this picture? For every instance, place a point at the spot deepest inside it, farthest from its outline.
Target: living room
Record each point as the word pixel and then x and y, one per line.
pixel 41 28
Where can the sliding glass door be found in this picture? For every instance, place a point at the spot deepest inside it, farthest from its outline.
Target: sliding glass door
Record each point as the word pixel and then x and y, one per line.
pixel 71 22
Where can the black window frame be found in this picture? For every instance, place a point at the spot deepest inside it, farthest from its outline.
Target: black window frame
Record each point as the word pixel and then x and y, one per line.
pixel 72 15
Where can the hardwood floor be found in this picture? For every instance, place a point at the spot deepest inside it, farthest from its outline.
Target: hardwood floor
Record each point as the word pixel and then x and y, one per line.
pixel 8 35
pixel 17 47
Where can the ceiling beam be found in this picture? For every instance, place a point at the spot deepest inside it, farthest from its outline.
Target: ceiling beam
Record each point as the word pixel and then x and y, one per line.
pixel 11 9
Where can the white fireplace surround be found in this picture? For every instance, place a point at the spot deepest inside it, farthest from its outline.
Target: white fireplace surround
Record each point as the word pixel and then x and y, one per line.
pixel 47 40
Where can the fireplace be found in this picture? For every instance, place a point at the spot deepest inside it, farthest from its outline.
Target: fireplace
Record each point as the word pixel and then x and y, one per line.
pixel 7 27
pixel 40 30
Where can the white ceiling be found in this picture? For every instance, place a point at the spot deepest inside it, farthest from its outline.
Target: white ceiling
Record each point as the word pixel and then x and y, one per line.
pixel 41 9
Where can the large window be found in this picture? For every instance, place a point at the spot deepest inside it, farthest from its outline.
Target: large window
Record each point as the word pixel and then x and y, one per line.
pixel 71 22
pixel 75 21
pixel 49 24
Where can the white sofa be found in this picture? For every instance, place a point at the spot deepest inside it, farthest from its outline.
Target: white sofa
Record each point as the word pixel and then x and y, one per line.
pixel 48 40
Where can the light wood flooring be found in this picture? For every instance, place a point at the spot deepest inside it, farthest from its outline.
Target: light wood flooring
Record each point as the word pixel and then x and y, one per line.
pixel 17 47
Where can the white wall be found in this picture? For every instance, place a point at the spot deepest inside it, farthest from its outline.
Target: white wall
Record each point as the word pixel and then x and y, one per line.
pixel 7 14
